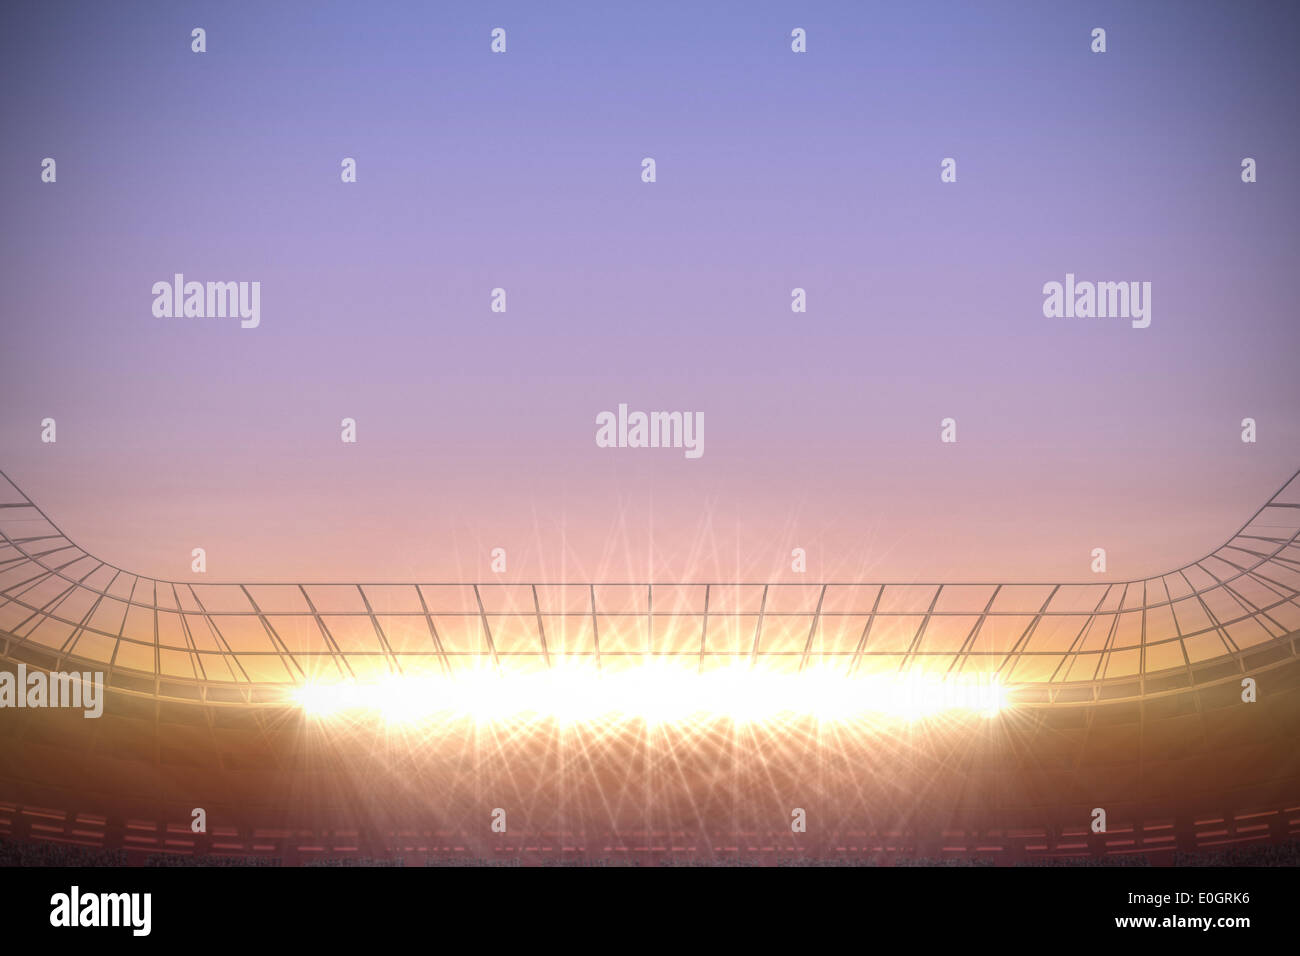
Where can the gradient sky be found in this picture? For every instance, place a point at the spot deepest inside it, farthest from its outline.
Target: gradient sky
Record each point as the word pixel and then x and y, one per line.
pixel 775 170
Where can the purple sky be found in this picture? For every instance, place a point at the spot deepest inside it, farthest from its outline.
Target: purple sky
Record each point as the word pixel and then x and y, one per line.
pixel 775 170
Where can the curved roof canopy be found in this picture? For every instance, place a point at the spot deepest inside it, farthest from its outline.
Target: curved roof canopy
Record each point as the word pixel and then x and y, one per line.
pixel 64 609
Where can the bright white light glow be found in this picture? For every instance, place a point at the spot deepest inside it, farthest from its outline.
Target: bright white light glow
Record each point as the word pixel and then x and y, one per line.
pixel 654 694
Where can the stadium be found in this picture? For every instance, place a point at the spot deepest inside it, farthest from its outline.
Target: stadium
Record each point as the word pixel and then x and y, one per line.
pixel 1145 723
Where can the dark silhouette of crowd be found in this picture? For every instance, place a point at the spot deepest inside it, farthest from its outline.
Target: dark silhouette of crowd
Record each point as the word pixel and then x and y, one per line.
pixel 51 853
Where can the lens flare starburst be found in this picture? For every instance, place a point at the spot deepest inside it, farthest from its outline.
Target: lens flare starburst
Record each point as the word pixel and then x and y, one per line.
pixel 654 694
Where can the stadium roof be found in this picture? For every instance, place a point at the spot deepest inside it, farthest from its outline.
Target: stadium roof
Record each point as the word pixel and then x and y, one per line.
pixel 1234 609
